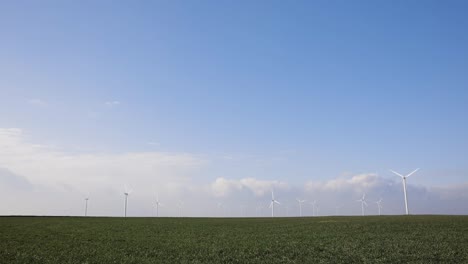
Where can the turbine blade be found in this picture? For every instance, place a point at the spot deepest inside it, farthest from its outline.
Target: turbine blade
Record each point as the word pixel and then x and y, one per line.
pixel 271 204
pixel 364 202
pixel 277 202
pixel 412 172
pixel 397 173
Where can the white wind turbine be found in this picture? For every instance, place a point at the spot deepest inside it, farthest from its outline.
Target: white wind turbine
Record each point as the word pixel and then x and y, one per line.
pixel 314 207
pixel 272 204
pixel 404 186
pixel 126 193
pixel 158 203
pixel 363 202
pixel 379 204
pixel 300 205
pixel 180 205
pixel 86 206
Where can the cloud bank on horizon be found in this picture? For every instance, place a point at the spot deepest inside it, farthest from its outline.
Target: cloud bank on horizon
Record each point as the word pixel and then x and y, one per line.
pixel 44 180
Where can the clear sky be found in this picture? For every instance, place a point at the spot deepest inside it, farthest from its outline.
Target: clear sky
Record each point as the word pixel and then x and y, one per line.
pixel 284 93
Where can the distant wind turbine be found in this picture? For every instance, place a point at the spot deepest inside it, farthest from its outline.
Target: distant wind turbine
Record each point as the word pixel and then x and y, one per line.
pixel 363 202
pixel 404 186
pixel 300 205
pixel 272 204
pixel 158 203
pixel 126 193
pixel 314 207
pixel 86 206
pixel 180 205
pixel 379 204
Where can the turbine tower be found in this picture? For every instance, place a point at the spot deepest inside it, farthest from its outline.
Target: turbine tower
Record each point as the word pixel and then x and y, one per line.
pixel 126 193
pixel 379 204
pixel 314 207
pixel 272 204
pixel 404 186
pixel 180 205
pixel 158 203
pixel 86 206
pixel 363 202
pixel 300 205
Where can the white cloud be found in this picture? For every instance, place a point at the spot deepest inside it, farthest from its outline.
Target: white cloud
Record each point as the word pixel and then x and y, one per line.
pixel 224 187
pixel 112 103
pixel 358 183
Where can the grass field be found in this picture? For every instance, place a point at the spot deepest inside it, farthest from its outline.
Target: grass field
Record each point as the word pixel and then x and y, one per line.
pixel 372 239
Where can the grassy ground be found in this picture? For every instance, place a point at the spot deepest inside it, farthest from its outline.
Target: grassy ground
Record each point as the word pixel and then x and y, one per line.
pixel 386 239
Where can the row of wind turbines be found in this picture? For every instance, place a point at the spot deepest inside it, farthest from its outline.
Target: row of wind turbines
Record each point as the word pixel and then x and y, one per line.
pixel 274 202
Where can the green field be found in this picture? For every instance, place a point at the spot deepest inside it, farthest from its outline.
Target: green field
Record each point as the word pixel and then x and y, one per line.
pixel 372 239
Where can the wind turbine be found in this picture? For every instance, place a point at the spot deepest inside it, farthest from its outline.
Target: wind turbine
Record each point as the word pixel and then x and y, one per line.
pixel 86 206
pixel 300 205
pixel 404 186
pixel 179 206
pixel 126 193
pixel 158 203
pixel 314 207
pixel 363 202
pixel 272 204
pixel 379 204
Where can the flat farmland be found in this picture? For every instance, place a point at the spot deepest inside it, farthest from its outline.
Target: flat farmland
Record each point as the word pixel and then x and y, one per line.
pixel 370 239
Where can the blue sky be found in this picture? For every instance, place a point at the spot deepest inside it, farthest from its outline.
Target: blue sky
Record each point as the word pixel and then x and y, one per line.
pixel 298 91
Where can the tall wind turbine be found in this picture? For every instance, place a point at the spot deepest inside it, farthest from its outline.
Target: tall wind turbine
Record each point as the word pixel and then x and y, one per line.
pixel 272 204
pixel 314 207
pixel 158 203
pixel 379 204
pixel 363 202
pixel 300 205
pixel 404 186
pixel 126 193
pixel 86 206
